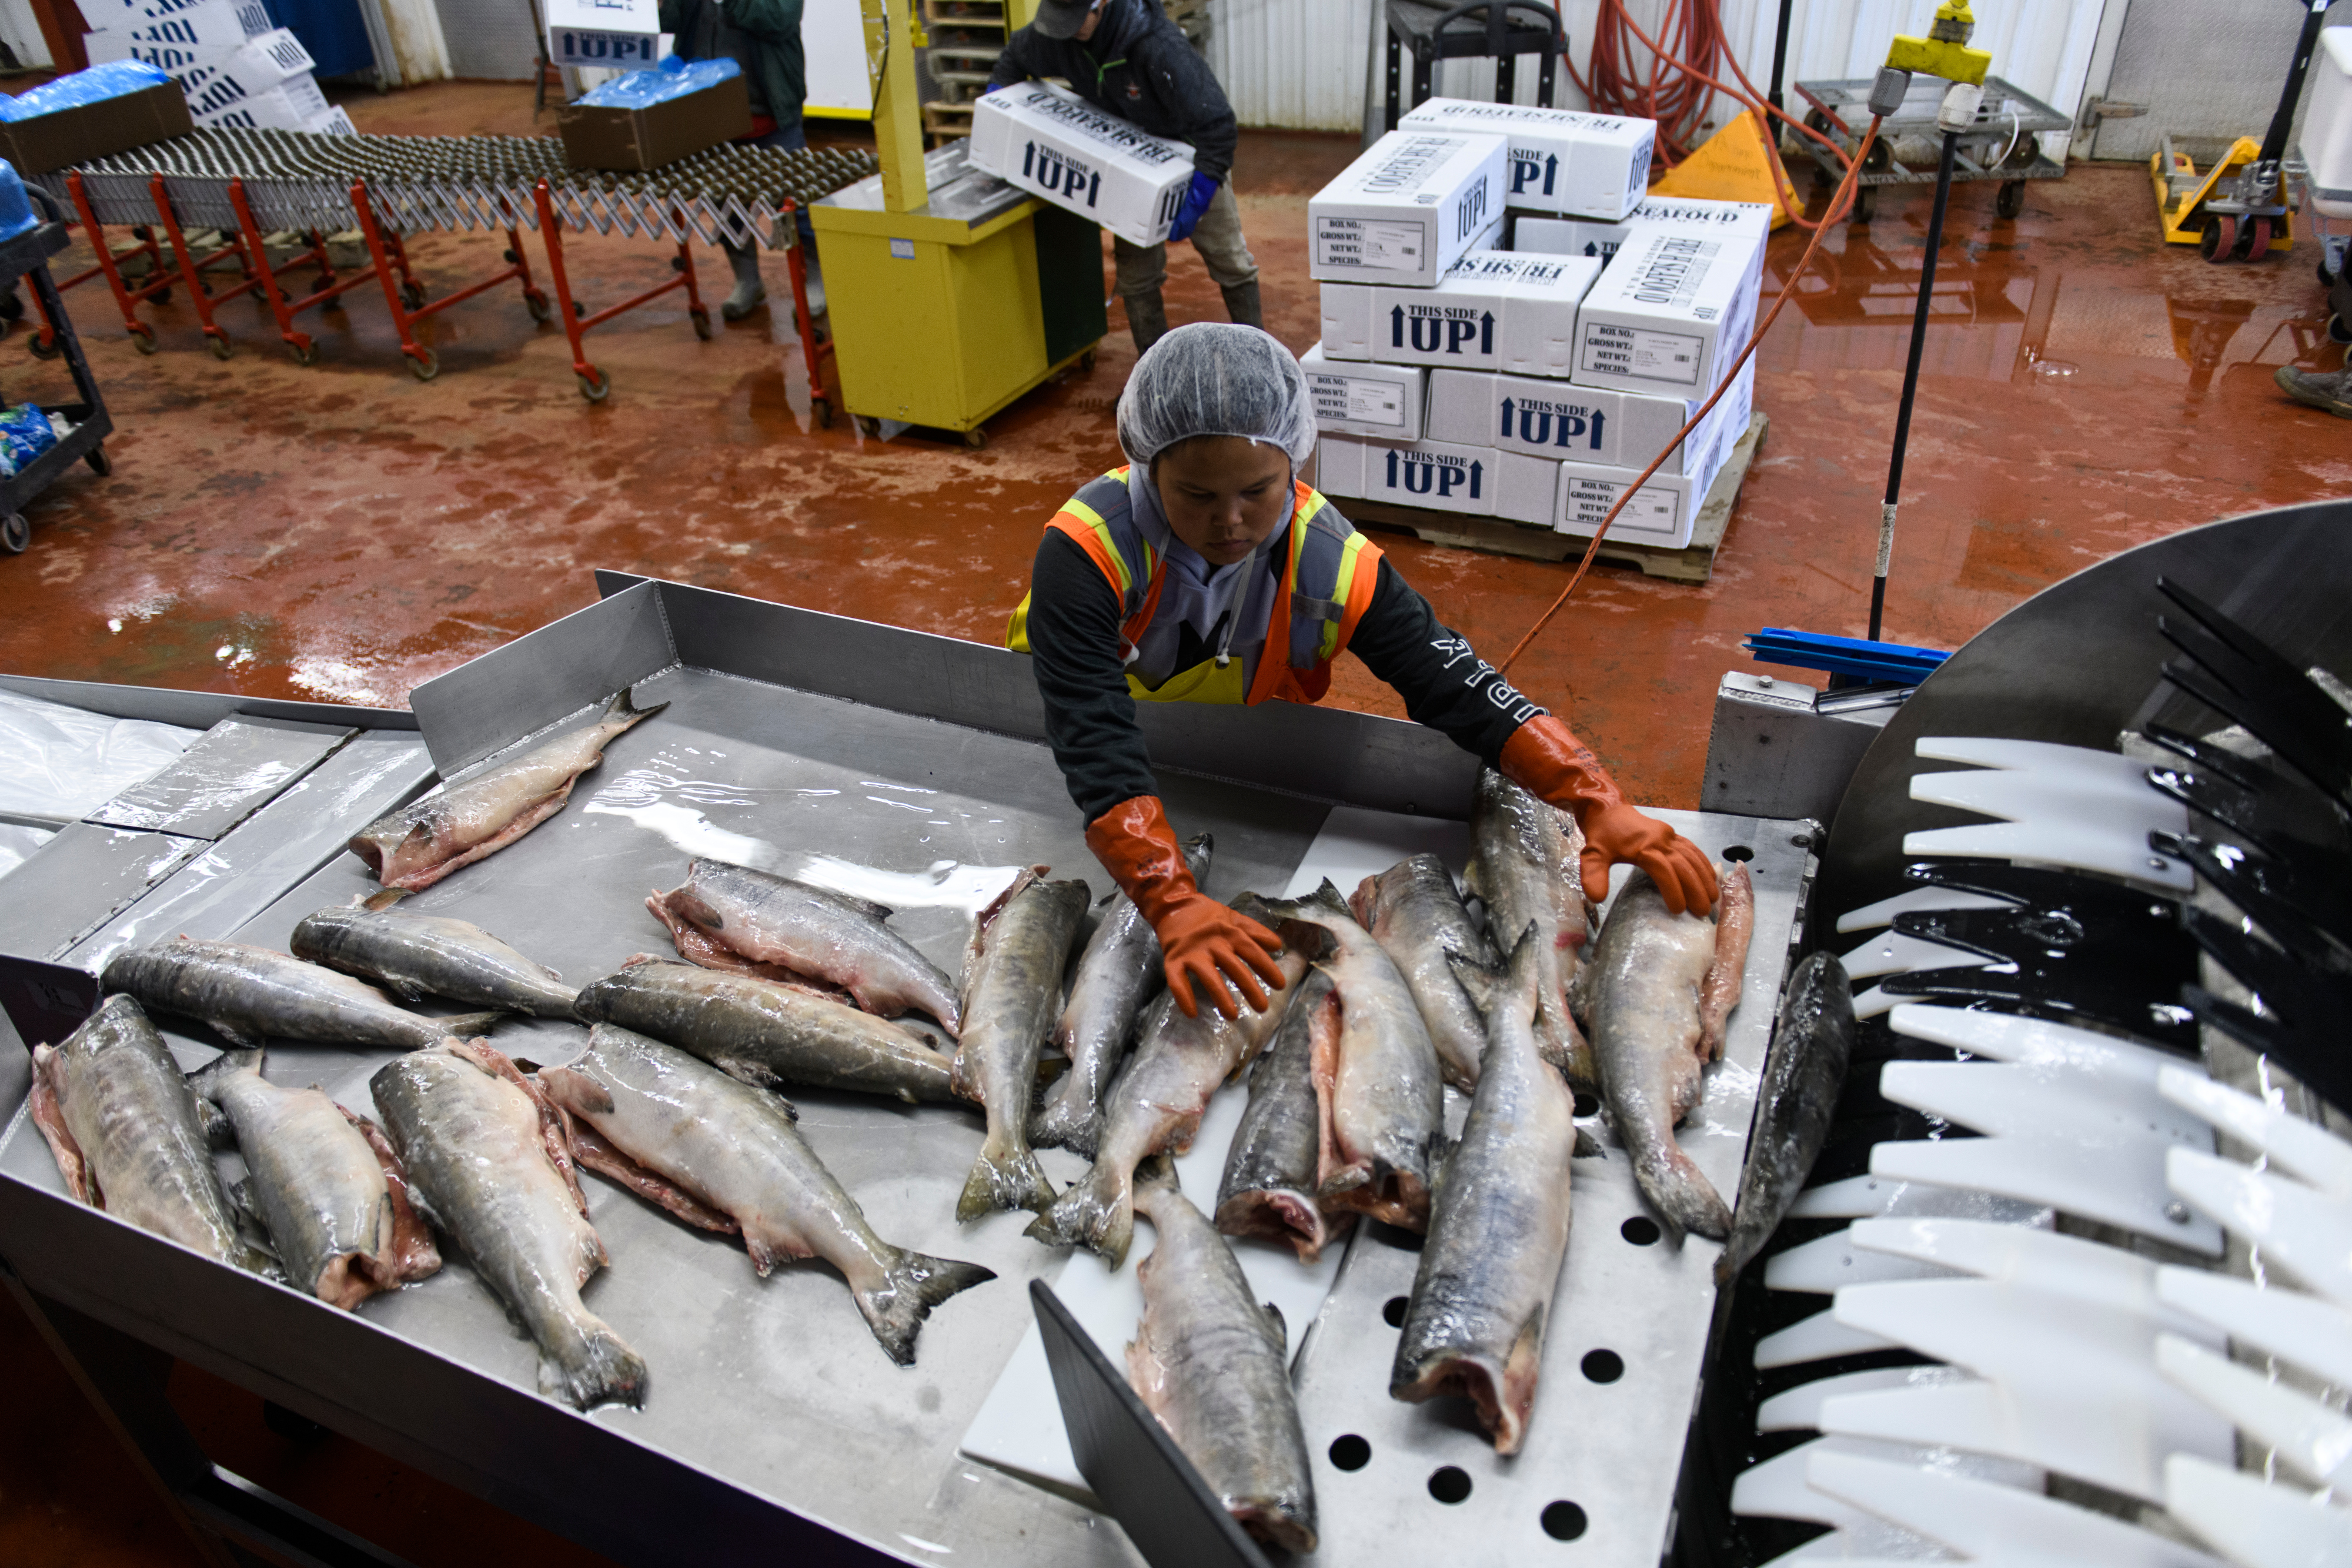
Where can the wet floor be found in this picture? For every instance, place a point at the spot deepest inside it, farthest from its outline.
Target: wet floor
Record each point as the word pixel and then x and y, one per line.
pixel 343 532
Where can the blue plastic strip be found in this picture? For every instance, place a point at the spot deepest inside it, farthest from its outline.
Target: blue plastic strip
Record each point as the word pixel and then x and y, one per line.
pixel 1891 662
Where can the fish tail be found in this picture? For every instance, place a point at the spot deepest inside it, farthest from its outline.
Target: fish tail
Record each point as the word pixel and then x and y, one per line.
pixel 1680 1191
pixel 1004 1177
pixel 206 1082
pixel 593 1367
pixel 1097 1213
pixel 1070 1121
pixel 916 1283
pixel 625 705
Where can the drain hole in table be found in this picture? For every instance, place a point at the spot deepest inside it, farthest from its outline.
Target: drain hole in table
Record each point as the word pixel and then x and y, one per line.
pixel 1740 853
pixel 1563 1520
pixel 1641 1230
pixel 1603 1365
pixel 1586 1105
pixel 1449 1483
pixel 1393 1310
pixel 1350 1452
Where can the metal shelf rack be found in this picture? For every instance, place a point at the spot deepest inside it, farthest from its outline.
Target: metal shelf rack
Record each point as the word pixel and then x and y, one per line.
pixel 28 257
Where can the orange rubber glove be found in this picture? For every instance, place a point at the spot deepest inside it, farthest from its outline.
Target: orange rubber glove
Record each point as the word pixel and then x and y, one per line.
pixel 1204 943
pixel 1545 757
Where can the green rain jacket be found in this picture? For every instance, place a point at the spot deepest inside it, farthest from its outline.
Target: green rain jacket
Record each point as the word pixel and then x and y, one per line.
pixel 763 36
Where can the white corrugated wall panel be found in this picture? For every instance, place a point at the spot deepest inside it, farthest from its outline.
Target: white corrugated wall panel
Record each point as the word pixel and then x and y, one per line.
pixel 1299 64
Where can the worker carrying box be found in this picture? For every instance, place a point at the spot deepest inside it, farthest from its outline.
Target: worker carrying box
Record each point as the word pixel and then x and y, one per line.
pixel 1054 144
pixel 1561 159
pixel 1126 59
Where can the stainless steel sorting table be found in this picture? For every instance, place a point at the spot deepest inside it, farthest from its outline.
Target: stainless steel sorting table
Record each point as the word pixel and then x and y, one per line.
pixel 773 1425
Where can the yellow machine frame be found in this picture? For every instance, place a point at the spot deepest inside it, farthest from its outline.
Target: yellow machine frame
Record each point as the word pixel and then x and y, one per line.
pixel 2182 192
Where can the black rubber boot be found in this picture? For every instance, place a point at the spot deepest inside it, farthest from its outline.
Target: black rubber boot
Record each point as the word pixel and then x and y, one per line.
pixel 1242 305
pixel 1147 319
pixel 2332 392
pixel 750 292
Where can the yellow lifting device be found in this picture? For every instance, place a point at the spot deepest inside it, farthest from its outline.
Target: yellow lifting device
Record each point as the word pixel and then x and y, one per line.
pixel 950 295
pixel 2237 209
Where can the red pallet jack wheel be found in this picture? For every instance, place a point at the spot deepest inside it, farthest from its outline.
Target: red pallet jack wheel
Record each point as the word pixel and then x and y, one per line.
pixel 2219 242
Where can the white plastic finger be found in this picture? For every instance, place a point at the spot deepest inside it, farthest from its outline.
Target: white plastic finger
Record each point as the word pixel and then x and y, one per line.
pixel 1870 916
pixel 1816 1338
pixel 1892 953
pixel 2306 1434
pixel 1777 1489
pixel 2038 1043
pixel 2295 1327
pixel 2046 1260
pixel 2048 758
pixel 1827 1263
pixel 1994 1523
pixel 2253 1523
pixel 2297 1228
pixel 1799 1409
pixel 2296 1146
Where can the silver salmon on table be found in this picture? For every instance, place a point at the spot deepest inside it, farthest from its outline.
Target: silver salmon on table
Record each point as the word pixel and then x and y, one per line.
pixel 415 955
pixel 1155 1106
pixel 325 1183
pixel 767 1034
pixel 726 910
pixel 1382 1100
pixel 1660 988
pixel 425 841
pixel 123 1127
pixel 1525 866
pixel 1803 1074
pixel 491 1164
pixel 662 1120
pixel 1014 989
pixel 249 994
pixel 1498 1229
pixel 1415 913
pixel 1271 1171
pixel 1213 1363
pixel 1120 971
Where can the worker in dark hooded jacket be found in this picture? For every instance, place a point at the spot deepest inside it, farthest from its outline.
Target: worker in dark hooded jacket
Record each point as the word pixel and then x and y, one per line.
pixel 763 36
pixel 1127 57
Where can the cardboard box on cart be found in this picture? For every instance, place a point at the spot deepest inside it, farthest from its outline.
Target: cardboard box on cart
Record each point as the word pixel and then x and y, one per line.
pixel 1056 145
pixel 1561 159
pixel 1406 209
pixel 88 131
pixel 611 137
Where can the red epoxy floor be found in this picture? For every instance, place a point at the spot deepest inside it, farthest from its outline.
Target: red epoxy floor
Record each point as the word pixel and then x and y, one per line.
pixel 343 532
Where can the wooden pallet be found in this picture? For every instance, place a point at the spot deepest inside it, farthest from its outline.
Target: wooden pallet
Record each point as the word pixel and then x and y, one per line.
pixel 947 120
pixel 1693 563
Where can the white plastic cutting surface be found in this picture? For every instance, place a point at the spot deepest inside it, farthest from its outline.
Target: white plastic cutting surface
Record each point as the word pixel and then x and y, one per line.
pixel 1994 1523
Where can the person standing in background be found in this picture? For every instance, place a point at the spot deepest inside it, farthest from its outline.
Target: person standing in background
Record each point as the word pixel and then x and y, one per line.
pixel 763 36
pixel 1127 57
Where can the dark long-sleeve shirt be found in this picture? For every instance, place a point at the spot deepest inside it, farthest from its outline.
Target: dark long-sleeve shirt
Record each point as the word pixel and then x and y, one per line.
pixel 1074 619
pixel 1140 67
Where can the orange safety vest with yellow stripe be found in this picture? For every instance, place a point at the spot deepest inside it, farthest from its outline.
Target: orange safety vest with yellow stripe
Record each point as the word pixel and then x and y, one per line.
pixel 1317 602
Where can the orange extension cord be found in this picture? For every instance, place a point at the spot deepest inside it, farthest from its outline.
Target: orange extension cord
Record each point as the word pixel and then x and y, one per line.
pixel 1838 203
pixel 1677 90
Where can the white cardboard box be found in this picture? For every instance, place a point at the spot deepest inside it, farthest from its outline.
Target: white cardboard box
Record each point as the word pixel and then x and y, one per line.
pixel 191 24
pixel 1356 397
pixel 292 105
pixel 1567 423
pixel 215 79
pixel 1406 209
pixel 1594 237
pixel 1493 310
pixel 1562 161
pixel 625 34
pixel 1477 481
pixel 1664 511
pixel 1669 314
pixel 334 123
pixel 1056 145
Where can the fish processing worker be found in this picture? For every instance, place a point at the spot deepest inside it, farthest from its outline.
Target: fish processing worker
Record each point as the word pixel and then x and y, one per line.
pixel 763 37
pixel 1127 57
pixel 1207 571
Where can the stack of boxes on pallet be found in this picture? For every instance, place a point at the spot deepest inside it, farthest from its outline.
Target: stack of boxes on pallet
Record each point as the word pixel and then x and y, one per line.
pixel 1530 384
pixel 239 69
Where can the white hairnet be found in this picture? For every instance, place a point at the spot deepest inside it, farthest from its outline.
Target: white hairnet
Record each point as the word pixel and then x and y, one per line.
pixel 1215 377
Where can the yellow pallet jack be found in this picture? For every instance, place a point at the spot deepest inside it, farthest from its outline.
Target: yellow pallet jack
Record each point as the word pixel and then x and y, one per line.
pixel 2237 209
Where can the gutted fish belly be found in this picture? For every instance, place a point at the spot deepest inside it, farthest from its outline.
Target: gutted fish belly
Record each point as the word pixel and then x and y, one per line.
pixel 250 994
pixel 1525 865
pixel 807 931
pixel 1213 1363
pixel 766 1034
pixel 1498 1228
pixel 736 1149
pixel 1650 969
pixel 1272 1169
pixel 491 1162
pixel 425 841
pixel 123 1126
pixel 326 1184
pixel 1015 988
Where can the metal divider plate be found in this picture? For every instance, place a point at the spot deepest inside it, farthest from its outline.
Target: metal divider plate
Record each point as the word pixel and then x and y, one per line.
pixel 230 772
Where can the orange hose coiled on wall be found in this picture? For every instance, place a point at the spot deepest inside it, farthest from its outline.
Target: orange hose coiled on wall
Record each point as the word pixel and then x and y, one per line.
pixel 1688 51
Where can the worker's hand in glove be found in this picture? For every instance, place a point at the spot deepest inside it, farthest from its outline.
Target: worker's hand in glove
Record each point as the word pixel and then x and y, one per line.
pixel 1206 944
pixel 1203 192
pixel 1543 755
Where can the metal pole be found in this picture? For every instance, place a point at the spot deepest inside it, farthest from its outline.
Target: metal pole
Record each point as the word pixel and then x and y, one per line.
pixel 1780 53
pixel 1910 385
